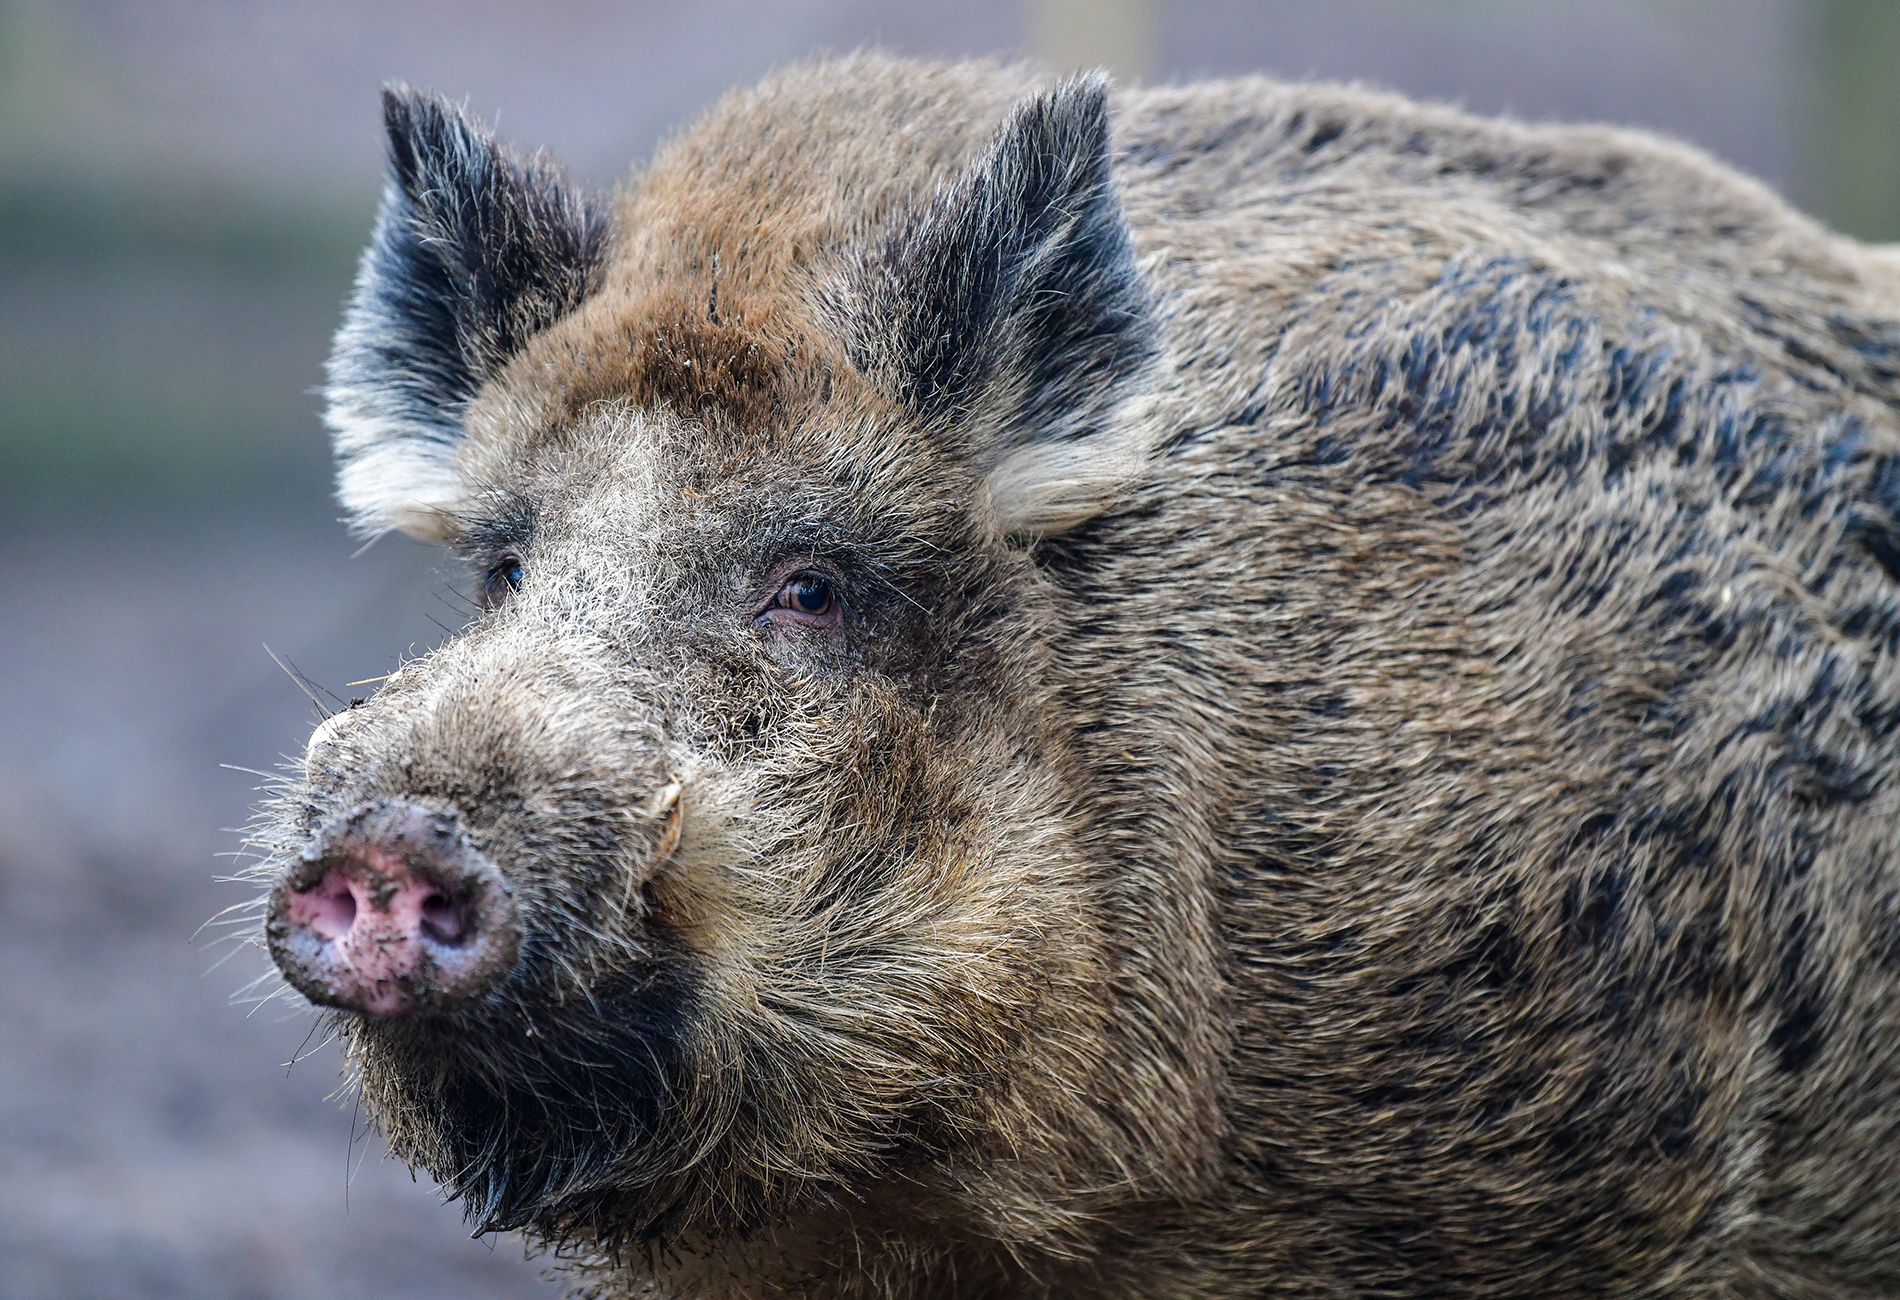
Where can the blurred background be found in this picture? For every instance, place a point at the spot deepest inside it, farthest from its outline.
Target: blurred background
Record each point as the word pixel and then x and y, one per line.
pixel 183 188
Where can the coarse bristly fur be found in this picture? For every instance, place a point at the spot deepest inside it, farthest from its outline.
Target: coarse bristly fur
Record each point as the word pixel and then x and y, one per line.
pixel 1353 755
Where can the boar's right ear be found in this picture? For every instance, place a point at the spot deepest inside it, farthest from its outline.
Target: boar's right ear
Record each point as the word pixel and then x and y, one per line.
pixel 475 250
pixel 1009 314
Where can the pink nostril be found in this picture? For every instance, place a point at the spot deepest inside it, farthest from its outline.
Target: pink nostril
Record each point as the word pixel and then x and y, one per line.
pixel 330 908
pixel 446 920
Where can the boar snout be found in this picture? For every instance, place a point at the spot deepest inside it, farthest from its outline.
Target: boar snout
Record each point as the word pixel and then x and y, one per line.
pixel 391 911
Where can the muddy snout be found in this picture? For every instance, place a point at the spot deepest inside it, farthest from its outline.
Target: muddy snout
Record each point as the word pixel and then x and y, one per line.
pixel 392 911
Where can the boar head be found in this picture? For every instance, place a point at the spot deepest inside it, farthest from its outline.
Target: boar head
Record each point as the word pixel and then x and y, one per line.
pixel 733 860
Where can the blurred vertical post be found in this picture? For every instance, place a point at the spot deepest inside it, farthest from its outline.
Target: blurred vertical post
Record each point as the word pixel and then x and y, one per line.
pixel 1120 35
pixel 1855 153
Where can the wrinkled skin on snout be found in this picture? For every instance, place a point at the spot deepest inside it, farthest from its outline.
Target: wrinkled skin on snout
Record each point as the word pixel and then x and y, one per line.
pixel 748 849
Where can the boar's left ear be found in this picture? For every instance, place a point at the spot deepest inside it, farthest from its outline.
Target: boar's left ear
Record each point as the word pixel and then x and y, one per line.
pixel 1008 313
pixel 475 250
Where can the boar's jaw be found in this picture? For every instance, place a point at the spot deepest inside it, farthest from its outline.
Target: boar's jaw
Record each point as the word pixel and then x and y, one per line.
pixel 534 1127
pixel 522 1099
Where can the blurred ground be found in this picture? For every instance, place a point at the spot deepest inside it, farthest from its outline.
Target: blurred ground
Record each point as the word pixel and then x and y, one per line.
pixel 182 190
pixel 151 1141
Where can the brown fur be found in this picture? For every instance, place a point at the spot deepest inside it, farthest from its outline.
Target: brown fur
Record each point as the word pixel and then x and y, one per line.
pixel 1396 801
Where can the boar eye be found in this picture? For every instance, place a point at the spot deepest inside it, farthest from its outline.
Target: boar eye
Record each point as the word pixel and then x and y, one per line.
pixel 809 594
pixel 502 581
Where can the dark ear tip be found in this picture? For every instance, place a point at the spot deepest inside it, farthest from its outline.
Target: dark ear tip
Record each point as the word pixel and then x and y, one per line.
pixel 1081 100
pixel 402 105
pixel 1067 120
pixel 425 128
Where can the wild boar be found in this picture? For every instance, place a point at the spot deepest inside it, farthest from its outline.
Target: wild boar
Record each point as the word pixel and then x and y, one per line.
pixel 1238 689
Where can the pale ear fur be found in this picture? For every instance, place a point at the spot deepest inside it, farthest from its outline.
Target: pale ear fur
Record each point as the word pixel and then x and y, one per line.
pixel 387 479
pixel 1045 488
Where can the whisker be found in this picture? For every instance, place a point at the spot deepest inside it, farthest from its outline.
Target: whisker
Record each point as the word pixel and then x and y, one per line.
pixel 304 683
